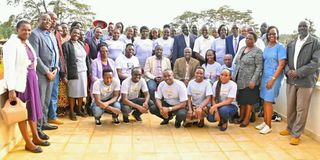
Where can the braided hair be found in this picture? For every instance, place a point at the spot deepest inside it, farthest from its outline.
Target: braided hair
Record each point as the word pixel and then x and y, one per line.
pixel 218 87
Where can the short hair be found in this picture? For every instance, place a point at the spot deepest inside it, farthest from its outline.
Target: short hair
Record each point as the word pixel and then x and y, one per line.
pixel 129 44
pixel 144 27
pixel 102 44
pixel 269 29
pixel 220 27
pixel 20 23
pixel 94 30
pixel 73 28
pixel 108 70
pixel 166 26
pixel 255 37
pixel 200 67
pixel 73 24
pixel 110 23
pixel 136 68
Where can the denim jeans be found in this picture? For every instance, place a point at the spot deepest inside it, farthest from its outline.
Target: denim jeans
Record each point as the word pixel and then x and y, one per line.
pixel 225 112
pixel 52 113
pixel 180 114
pixel 152 86
pixel 98 112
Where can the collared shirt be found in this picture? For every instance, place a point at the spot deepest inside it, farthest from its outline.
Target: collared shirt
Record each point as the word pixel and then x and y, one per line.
pixel 50 38
pixel 201 45
pixel 187 77
pixel 235 43
pixel 159 68
pixel 298 46
pixel 187 39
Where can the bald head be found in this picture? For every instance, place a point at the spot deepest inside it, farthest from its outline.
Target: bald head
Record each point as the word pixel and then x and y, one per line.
pixel 303 28
pixel 227 59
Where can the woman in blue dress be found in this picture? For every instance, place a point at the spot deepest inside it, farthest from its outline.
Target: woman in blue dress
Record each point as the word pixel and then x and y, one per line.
pixel 274 56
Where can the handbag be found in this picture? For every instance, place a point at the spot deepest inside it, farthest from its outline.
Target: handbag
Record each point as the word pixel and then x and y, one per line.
pixel 14 112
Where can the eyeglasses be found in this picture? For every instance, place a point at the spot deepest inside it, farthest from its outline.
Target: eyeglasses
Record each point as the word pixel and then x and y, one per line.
pixel 272 34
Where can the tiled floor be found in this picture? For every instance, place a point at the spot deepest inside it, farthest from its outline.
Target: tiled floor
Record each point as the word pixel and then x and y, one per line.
pixel 148 140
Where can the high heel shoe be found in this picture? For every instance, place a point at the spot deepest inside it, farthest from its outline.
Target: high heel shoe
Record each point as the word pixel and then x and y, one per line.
pixel 35 150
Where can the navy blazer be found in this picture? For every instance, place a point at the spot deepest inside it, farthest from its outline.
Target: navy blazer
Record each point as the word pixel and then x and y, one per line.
pixel 229 44
pixel 179 45
pixel 93 47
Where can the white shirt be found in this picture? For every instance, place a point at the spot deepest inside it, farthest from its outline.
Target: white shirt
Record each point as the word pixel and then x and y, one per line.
pixel 199 91
pixel 187 39
pixel 228 90
pixel 173 94
pixel 212 71
pixel 298 46
pixel 235 42
pixel 167 45
pixel 105 91
pixel 126 64
pixel 126 40
pixel 219 45
pixel 143 49
pixel 116 48
pixel 201 45
pixel 133 89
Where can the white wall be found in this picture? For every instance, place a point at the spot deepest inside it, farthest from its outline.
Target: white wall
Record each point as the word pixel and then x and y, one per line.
pixel 313 125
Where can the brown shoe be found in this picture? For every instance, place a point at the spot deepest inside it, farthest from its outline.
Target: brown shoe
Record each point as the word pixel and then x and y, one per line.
pixel 285 133
pixel 55 121
pixel 295 141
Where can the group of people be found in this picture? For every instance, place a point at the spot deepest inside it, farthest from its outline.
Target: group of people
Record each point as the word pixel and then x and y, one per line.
pixel 191 77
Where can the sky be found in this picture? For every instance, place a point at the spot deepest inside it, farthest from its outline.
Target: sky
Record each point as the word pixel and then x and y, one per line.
pixel 285 14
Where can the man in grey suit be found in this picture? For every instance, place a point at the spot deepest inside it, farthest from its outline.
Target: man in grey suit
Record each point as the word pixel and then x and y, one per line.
pixel 44 45
pixel 302 71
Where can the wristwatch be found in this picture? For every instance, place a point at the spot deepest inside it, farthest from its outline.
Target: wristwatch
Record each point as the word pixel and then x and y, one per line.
pixel 170 109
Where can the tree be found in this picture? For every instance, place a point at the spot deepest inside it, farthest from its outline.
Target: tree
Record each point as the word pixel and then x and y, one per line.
pixel 215 17
pixel 312 29
pixel 66 10
pixel 6 28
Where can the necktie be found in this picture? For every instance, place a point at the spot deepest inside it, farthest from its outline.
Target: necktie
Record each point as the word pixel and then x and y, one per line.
pixel 235 45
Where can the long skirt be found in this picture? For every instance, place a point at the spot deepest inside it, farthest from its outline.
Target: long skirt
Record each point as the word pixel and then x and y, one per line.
pixel 31 96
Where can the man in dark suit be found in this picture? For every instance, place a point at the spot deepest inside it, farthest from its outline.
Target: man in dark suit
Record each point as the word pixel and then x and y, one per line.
pixel 181 42
pixel 93 42
pixel 45 46
pixel 232 41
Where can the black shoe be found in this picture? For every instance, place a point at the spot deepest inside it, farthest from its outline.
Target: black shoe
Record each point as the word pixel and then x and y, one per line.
pixel 164 122
pixel 253 117
pixel 72 116
pixel 136 116
pixel 224 126
pixel 49 127
pixel 43 136
pixel 125 119
pixel 115 120
pixel 187 124
pixel 98 122
pixel 201 124
pixel 35 150
pixel 44 143
pixel 177 124
pixel 242 125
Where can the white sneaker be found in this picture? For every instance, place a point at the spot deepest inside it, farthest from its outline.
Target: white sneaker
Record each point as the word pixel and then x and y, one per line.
pixel 265 130
pixel 261 126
